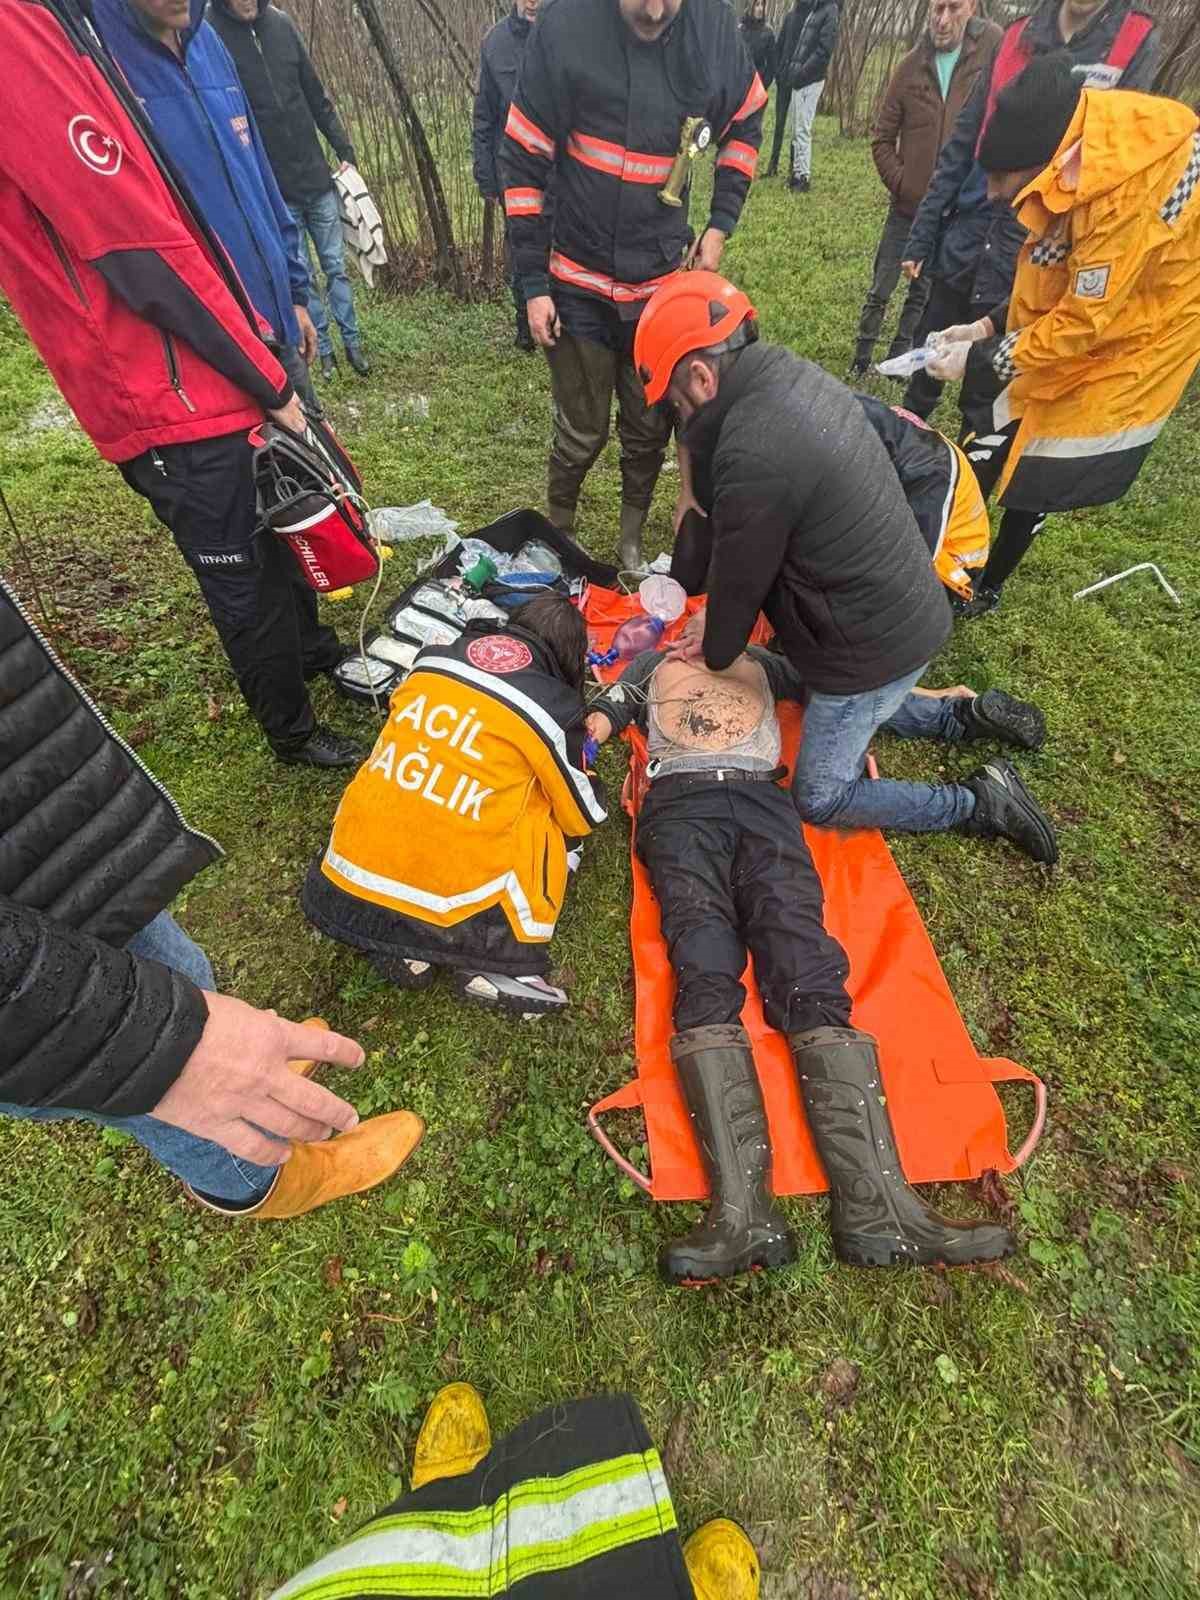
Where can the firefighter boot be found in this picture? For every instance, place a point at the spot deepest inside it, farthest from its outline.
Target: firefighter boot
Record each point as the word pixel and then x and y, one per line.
pixel 633 520
pixel 743 1229
pixel 454 1437
pixel 721 1562
pixel 875 1218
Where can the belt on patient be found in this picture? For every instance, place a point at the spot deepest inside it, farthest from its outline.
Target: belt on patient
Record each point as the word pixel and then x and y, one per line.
pixel 715 775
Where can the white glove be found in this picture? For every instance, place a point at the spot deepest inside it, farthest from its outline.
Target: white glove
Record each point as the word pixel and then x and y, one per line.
pixel 949 361
pixel 961 333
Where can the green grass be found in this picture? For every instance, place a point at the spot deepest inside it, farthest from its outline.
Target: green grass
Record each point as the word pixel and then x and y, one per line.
pixel 205 1401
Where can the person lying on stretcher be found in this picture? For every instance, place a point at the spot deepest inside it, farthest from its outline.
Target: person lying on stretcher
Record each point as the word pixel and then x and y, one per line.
pixel 730 868
pixel 449 848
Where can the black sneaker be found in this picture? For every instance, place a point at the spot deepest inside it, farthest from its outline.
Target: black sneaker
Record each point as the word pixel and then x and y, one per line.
pixel 981 603
pixel 529 997
pixel 860 366
pixel 1005 809
pixel 357 360
pixel 329 368
pixel 996 715
pixel 799 185
pixel 325 748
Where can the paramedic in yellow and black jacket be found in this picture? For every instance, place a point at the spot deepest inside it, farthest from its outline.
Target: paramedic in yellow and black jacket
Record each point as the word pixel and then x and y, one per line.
pixel 1096 346
pixel 450 846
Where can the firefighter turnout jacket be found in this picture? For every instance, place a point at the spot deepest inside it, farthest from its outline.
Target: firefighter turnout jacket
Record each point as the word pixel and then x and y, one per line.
pixel 604 112
pixel 1103 328
pixel 449 844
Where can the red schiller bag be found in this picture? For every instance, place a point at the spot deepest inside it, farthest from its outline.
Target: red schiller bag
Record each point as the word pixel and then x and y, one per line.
pixel 307 491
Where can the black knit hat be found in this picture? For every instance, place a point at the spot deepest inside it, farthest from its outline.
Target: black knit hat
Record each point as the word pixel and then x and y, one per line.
pixel 1031 116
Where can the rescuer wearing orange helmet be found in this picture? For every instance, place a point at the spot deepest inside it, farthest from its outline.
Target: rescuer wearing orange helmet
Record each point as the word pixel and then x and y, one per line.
pixel 808 522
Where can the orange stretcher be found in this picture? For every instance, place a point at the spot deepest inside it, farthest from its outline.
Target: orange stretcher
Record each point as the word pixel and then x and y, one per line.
pixel 949 1122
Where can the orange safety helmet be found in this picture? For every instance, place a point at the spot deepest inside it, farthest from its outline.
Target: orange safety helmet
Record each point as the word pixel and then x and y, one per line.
pixel 692 311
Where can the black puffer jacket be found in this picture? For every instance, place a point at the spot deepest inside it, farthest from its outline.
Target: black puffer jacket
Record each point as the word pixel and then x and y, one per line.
pixel 814 47
pixel 788 38
pixel 810 525
pixel 288 99
pixel 92 848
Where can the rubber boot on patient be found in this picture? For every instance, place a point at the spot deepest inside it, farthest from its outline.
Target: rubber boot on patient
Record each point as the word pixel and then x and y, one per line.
pixel 732 874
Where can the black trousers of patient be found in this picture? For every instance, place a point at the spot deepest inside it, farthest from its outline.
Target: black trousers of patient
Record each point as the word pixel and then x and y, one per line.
pixel 731 871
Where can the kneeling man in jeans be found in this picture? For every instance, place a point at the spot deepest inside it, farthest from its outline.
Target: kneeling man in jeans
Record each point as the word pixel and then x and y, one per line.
pixel 810 524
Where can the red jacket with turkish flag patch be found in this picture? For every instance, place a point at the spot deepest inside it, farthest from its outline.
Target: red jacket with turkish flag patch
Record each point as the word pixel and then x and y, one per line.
pixel 138 317
pixel 604 111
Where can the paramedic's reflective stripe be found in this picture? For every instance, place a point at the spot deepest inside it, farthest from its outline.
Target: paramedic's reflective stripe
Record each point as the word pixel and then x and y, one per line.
pixel 742 157
pixel 631 166
pixel 524 202
pixel 528 135
pixel 405 894
pixel 541 1526
pixel 948 504
pixel 550 731
pixel 568 271
pixel 756 99
pixel 1100 444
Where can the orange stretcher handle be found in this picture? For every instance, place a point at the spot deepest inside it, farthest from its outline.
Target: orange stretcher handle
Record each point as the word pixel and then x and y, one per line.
pixel 624 1098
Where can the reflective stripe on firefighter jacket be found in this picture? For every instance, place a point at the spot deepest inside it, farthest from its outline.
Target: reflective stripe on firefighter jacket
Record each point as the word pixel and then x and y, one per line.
pixel 604 112
pixel 472 787
pixel 1103 329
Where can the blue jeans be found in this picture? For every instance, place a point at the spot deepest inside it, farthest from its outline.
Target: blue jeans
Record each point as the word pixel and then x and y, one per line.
pixel 201 1164
pixel 322 220
pixel 829 786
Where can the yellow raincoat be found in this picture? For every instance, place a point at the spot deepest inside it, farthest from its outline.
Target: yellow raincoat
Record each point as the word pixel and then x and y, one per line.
pixel 1103 327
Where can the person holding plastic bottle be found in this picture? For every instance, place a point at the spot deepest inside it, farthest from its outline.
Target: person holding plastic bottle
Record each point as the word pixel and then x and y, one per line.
pixel 1093 351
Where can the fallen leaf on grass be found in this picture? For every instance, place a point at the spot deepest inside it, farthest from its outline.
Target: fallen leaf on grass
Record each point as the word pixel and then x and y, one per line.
pixel 675 1450
pixel 339 1508
pixel 997 1270
pixel 995 1196
pixel 498 1113
pixel 965 1576
pixel 839 1382
pixel 331 1272
pixel 89 1315
pixel 212 707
